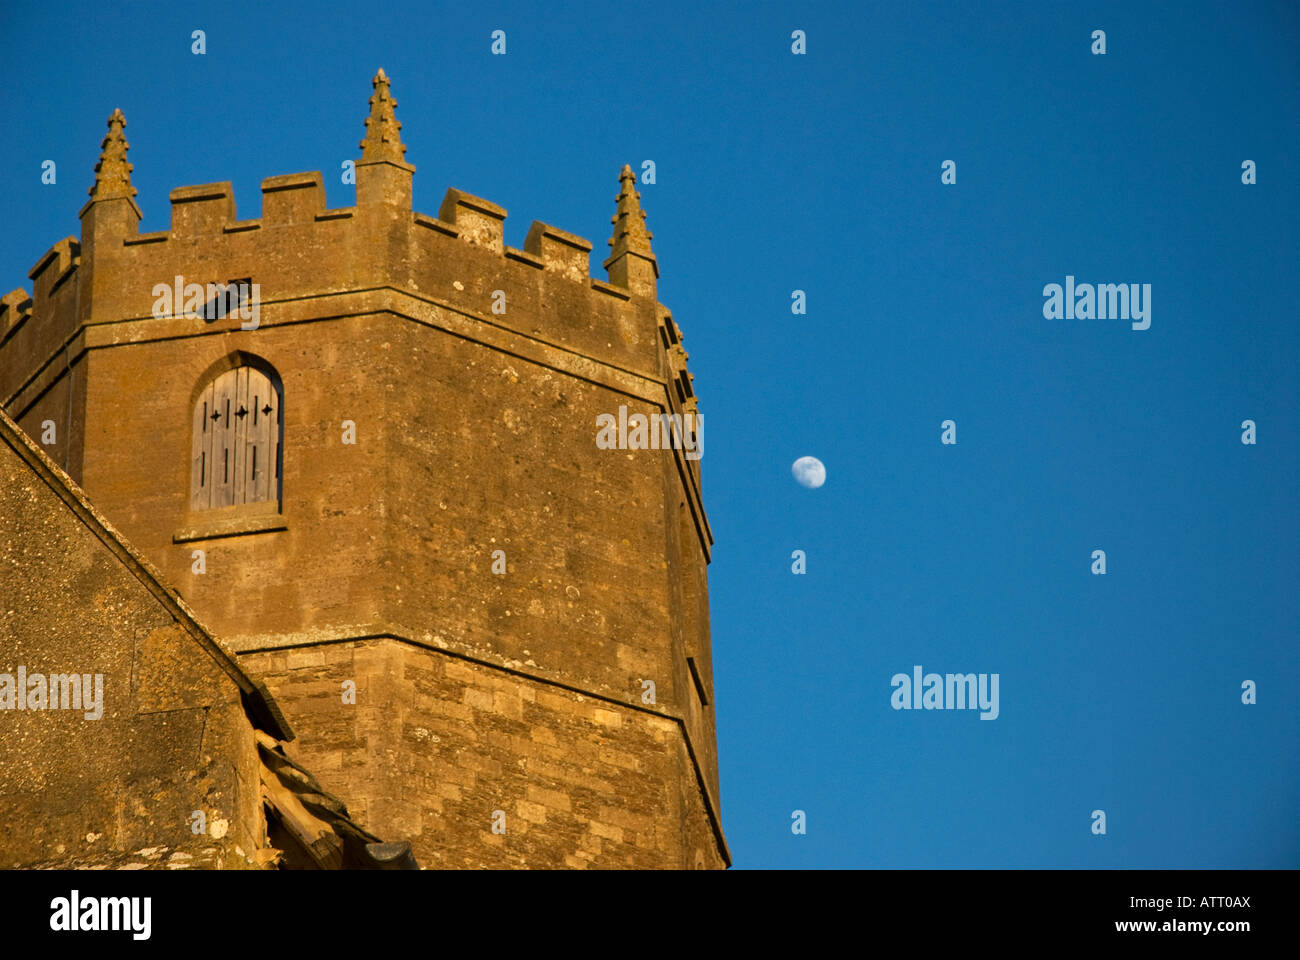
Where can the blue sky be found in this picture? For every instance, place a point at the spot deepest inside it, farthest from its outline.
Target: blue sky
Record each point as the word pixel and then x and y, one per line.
pixel 821 172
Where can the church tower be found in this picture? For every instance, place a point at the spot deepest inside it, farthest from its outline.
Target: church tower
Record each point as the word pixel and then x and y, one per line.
pixel 366 446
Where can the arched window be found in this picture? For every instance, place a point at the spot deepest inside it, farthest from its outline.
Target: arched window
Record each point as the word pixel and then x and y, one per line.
pixel 238 429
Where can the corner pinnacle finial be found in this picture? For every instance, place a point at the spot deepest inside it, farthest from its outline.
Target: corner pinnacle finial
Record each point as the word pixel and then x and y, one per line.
pixel 113 172
pixel 630 233
pixel 383 140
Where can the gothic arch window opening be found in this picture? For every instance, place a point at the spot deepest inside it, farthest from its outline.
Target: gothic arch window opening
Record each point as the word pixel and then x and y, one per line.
pixel 238 430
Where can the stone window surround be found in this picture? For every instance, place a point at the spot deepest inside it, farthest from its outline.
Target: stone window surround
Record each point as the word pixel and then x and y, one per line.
pixel 244 518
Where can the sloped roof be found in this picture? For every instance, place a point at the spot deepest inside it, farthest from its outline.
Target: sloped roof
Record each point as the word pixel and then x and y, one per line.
pixel 312 826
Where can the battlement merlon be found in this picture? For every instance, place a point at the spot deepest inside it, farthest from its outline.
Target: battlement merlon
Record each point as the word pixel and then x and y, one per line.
pixel 203 209
pixel 292 198
pixel 478 221
pixel 563 252
pixel 15 308
pixel 52 269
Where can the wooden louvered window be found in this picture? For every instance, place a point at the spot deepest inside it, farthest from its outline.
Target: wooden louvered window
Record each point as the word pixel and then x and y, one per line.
pixel 238 430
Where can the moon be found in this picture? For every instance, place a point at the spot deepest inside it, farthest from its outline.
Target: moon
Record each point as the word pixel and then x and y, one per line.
pixel 809 471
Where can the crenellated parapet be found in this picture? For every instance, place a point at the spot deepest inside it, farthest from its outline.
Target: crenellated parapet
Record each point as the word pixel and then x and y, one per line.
pixel 208 209
pixel 34 326
pixel 298 248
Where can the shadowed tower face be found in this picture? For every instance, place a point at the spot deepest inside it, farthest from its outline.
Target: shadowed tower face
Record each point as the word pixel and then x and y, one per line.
pixel 417 480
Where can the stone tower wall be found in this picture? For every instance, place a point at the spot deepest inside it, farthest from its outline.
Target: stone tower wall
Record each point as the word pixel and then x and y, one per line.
pixel 474 432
